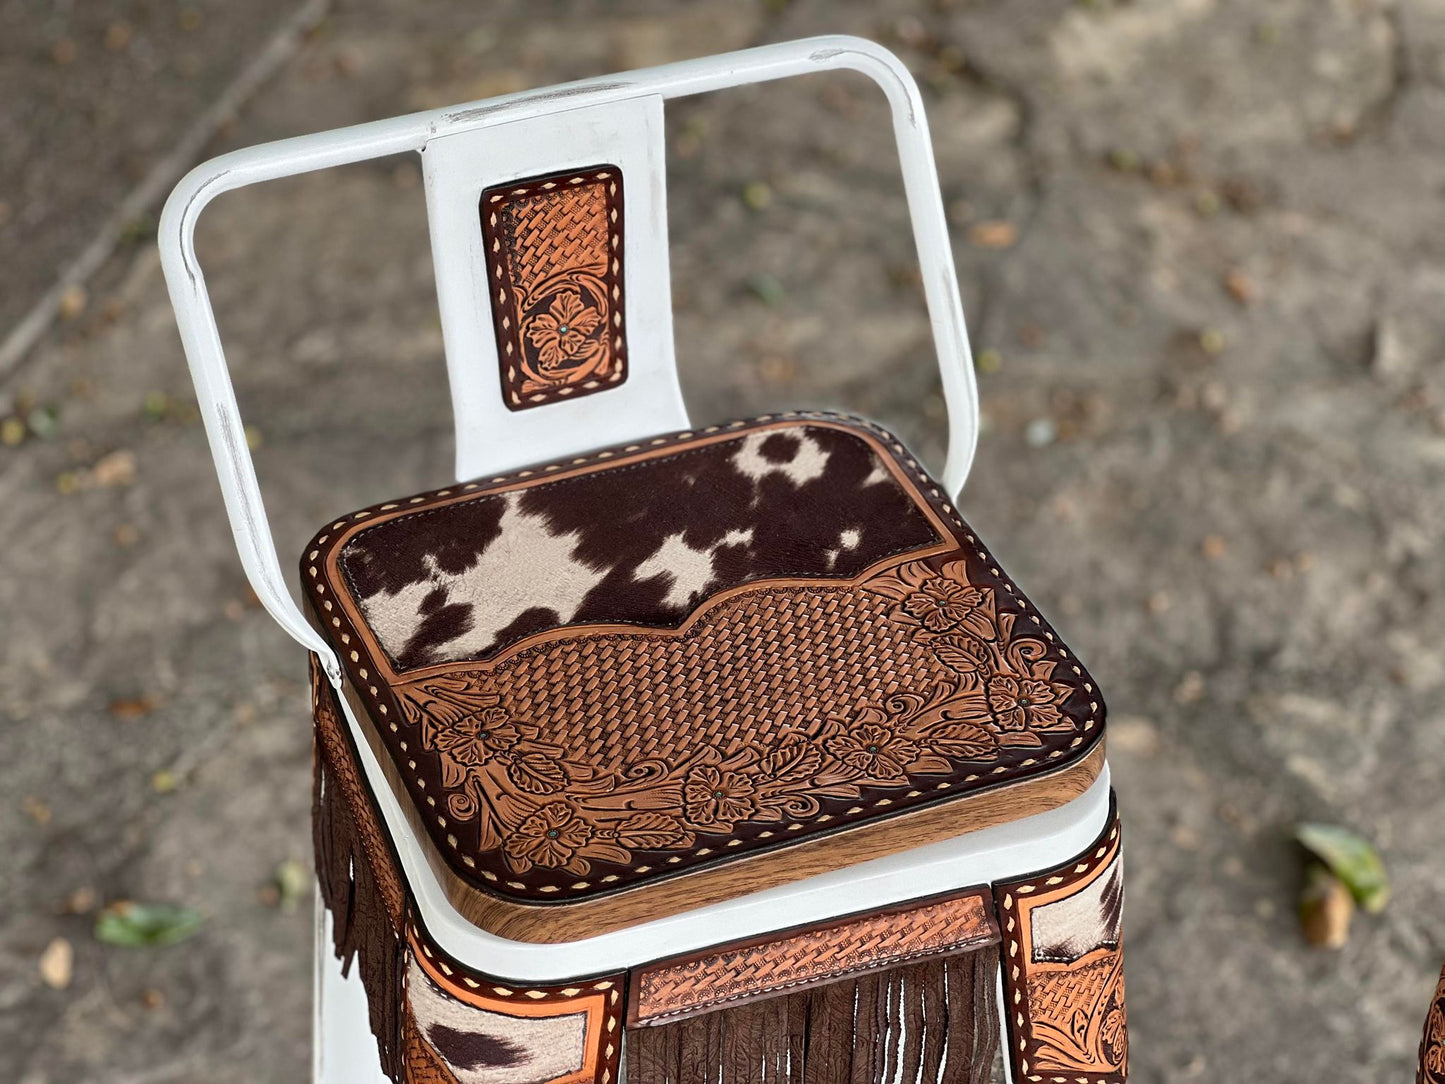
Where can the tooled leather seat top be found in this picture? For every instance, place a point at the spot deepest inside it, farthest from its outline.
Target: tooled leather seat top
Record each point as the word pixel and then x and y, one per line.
pixel 624 666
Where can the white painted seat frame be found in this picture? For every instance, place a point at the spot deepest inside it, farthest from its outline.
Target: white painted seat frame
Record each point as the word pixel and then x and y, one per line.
pixel 616 120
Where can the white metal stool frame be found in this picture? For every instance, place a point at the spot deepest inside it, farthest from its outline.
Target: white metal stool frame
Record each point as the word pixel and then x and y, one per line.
pixel 614 119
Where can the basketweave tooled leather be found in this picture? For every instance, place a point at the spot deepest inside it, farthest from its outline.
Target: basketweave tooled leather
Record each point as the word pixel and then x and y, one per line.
pixel 629 665
pixel 782 963
pixel 554 254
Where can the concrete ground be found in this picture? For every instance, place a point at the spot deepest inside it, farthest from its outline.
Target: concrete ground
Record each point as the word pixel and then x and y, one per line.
pixel 1202 244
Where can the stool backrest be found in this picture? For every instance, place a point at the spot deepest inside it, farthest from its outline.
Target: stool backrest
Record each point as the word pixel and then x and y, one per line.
pixel 548 219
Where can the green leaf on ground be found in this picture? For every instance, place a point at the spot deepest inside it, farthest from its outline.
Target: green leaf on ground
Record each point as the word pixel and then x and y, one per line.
pixel 292 883
pixel 767 289
pixel 146 925
pixel 1353 859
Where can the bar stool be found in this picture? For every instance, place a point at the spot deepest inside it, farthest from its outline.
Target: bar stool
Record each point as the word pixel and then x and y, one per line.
pixel 663 751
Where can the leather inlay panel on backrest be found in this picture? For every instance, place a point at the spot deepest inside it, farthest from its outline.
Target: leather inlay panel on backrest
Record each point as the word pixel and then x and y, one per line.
pixel 641 544
pixel 554 252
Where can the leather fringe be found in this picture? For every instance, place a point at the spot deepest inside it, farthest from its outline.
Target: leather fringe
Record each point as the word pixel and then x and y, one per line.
pixel 363 928
pixel 918 1024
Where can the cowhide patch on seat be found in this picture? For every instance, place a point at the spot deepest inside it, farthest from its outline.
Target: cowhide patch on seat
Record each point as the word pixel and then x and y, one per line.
pixel 638 544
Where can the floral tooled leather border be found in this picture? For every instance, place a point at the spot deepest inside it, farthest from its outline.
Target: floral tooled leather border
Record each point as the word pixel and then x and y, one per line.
pixel 545 807
pixel 1066 1017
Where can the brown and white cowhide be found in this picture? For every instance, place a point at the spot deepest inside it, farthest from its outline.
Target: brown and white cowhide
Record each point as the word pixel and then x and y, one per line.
pixel 641 543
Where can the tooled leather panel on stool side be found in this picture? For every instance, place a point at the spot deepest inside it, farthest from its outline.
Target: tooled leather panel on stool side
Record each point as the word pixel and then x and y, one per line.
pixel 554 254
pixel 578 703
pixel 765 967
pixel 1063 967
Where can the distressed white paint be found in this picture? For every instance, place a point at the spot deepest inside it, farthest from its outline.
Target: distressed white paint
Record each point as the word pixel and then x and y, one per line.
pixel 490 438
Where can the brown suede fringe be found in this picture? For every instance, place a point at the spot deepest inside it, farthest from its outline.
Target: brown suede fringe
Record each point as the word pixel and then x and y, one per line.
pixel 366 905
pixel 927 1022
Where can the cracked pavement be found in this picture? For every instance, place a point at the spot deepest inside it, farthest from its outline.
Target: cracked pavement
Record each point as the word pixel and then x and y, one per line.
pixel 1202 249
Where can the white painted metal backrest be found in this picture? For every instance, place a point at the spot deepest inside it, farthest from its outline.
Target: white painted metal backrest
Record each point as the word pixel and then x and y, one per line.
pixel 464 149
pixel 492 438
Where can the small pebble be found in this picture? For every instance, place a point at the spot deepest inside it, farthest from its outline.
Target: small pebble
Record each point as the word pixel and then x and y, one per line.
pixel 80 902
pixel 1040 432
pixel 117 37
pixel 57 964
pixel 1190 688
pixel 1239 286
pixel 131 708
pixel 994 234
pixel 1326 909
pixel 1124 160
pixel 73 300
pixel 115 469
pixel 36 810
pixel 1133 734
pixel 1214 547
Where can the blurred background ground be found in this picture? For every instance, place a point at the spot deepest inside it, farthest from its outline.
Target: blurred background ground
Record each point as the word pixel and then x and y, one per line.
pixel 1201 250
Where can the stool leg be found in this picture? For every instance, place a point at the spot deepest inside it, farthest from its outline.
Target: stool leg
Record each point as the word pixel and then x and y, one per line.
pixel 343 1048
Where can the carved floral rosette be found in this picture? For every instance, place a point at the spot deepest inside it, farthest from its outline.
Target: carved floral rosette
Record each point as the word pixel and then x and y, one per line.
pixel 554 258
